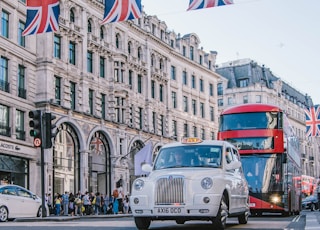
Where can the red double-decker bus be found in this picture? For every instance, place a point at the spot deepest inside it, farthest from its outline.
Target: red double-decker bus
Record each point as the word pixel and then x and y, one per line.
pixel 270 156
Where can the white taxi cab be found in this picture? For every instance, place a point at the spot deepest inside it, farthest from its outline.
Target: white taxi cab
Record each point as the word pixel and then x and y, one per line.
pixel 192 180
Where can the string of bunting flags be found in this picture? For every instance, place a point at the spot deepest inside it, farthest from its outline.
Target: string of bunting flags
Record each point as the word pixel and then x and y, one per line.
pixel 43 15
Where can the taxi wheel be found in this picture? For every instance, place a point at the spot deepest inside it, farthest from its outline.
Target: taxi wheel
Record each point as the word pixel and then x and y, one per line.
pixel 220 221
pixel 243 218
pixel 142 223
pixel 3 214
pixel 180 221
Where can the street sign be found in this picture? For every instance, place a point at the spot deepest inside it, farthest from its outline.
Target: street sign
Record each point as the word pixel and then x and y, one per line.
pixel 37 142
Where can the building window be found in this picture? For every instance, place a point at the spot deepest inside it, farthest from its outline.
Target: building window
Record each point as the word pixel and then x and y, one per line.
pixel 185 130
pixel 130 77
pixel 73 95
pixel 72 17
pixel 211 113
pixel 172 43
pixel 173 72
pixel 5 24
pixel 90 62
pixel 4 84
pixel 140 118
pixel 57 46
pixel 202 113
pixel 200 60
pixel 89 26
pixel 209 64
pixel 139 83
pixel 201 85
pixel 258 98
pixel 118 41
pixel 119 71
pixel 161 93
pixel 220 102
pixel 72 53
pixel 220 89
pixel 174 99
pixel 20 132
pixel 153 85
pixel 21 39
pixel 58 90
pixel 191 53
pixel 195 131
pixel 101 33
pixel 22 92
pixel 245 99
pixel 202 134
pixel 174 129
pixel 230 100
pixel 211 89
pixel 193 81
pixel 184 77
pixel 161 65
pixel 102 67
pixel 91 101
pixel 129 47
pixel 139 53
pixel 185 104
pixel 184 52
pixel 194 107
pixel 244 83
pixel 4 121
pixel 213 136
pixel 103 106
pixel 154 122
pixel 162 124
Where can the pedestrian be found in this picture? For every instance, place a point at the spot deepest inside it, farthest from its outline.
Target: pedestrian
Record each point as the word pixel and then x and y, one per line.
pixel 57 204
pixel 86 203
pixel 71 204
pixel 97 203
pixel 65 203
pixel 126 205
pixel 318 195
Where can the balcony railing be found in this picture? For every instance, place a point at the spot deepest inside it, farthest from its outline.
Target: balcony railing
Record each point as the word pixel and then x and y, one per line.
pixel 22 92
pixel 4 86
pixel 21 134
pixel 5 131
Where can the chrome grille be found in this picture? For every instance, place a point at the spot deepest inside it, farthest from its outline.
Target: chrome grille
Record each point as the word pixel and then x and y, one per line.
pixel 170 190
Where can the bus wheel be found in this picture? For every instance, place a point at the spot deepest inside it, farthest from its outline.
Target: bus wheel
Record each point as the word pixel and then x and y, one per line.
pixel 142 223
pixel 220 220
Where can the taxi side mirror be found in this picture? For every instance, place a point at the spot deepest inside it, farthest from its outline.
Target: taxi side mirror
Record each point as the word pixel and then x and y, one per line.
pixel 233 165
pixel 146 168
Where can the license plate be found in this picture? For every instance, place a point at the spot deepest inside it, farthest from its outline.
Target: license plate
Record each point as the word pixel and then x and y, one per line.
pixel 173 210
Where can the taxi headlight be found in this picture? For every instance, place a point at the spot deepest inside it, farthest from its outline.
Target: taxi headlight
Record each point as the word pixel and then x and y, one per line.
pixel 206 183
pixel 138 184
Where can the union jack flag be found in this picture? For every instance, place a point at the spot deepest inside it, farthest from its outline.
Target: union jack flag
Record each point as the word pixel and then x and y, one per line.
pixel 313 121
pixel 201 4
pixel 42 16
pixel 121 10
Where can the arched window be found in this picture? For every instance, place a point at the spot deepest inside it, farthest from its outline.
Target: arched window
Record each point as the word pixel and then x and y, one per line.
pixel 129 47
pixel 139 53
pixel 153 60
pixel 118 41
pixel 161 64
pixel 89 26
pixel 72 18
pixel 101 32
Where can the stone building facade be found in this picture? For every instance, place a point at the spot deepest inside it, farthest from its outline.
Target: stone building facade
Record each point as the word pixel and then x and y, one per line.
pixel 113 88
pixel 246 81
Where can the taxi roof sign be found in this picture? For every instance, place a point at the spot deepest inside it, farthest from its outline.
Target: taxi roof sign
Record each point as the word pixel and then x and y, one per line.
pixel 191 140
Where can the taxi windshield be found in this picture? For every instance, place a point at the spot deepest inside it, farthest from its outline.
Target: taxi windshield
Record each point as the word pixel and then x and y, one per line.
pixel 189 156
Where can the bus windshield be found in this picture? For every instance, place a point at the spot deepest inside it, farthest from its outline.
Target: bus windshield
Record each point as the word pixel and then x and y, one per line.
pixel 244 121
pixel 263 172
pixel 252 143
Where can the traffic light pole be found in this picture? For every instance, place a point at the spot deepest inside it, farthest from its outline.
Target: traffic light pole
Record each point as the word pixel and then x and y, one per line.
pixel 43 198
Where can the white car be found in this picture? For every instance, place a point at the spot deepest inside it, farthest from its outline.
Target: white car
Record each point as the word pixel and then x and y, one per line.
pixel 206 184
pixel 16 201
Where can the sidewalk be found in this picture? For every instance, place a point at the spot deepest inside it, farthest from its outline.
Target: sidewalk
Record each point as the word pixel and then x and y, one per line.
pixel 312 220
pixel 69 218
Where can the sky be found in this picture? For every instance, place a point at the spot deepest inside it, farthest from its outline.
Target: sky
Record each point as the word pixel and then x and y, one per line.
pixel 283 35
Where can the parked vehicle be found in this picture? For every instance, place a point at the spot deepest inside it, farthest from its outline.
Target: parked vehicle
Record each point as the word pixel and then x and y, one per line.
pixel 192 180
pixel 310 202
pixel 16 201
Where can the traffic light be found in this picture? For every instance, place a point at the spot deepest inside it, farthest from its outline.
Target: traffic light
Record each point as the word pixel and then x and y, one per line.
pixel 48 129
pixel 36 126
